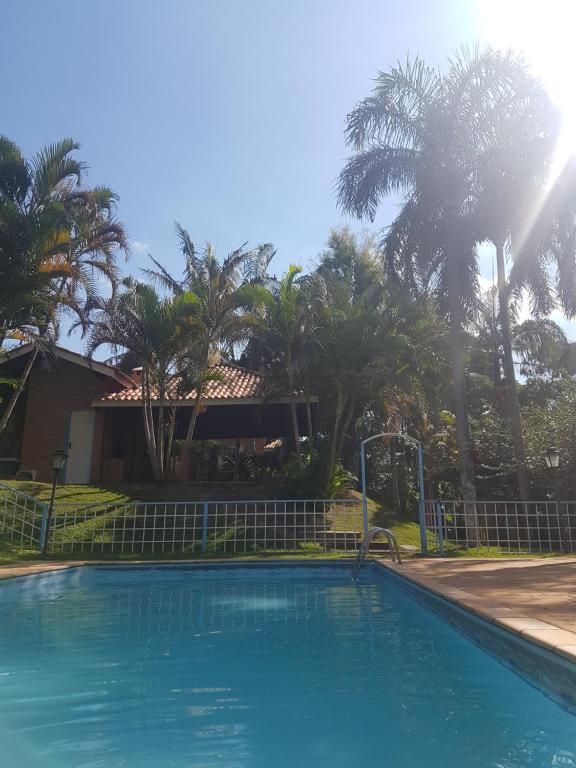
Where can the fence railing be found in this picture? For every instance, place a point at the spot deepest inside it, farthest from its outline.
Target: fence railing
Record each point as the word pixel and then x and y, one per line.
pixel 21 517
pixel 501 527
pixel 213 527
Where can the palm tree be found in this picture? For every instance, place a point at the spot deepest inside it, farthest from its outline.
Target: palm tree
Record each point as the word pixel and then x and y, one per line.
pixel 287 313
pixel 424 135
pixel 520 222
pixel 226 292
pixel 366 339
pixel 158 334
pixel 539 345
pixel 55 238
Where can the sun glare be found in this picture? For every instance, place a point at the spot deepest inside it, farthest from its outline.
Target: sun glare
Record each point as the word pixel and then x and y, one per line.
pixel 544 33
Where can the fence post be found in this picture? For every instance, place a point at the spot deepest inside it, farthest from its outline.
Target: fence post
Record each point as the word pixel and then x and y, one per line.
pixel 439 528
pixel 422 502
pixel 205 529
pixel 43 527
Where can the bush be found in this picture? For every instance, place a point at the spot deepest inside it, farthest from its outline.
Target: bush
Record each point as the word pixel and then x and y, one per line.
pixel 306 482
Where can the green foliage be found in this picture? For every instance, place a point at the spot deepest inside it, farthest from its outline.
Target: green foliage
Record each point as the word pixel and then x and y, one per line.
pixel 300 480
pixel 240 465
pixel 304 482
pixel 469 149
pixel 341 481
pixel 549 419
pixel 56 238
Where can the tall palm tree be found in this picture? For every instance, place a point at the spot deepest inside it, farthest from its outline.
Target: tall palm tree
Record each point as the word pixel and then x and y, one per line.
pixel 366 338
pixel 423 134
pixel 158 334
pixel 55 238
pixel 521 220
pixel 226 292
pixel 287 314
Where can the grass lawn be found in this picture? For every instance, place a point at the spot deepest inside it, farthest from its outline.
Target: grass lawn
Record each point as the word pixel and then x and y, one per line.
pixel 71 494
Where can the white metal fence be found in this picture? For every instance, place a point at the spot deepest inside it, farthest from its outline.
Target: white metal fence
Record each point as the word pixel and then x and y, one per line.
pixel 501 527
pixel 21 517
pixel 312 525
pixel 213 527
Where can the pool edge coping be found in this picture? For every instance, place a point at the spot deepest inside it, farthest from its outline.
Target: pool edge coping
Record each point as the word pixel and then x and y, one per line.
pixel 23 570
pixel 556 640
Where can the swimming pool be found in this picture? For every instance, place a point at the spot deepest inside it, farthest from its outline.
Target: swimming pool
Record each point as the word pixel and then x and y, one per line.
pixel 246 667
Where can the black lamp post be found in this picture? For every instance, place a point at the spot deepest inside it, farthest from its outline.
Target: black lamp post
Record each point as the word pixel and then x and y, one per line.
pixel 552 458
pixel 58 462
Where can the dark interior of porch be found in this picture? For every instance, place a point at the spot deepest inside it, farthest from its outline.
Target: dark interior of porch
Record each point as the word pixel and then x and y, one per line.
pixel 231 442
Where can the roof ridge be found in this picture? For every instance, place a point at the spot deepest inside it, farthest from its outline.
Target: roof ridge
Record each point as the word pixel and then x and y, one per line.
pixel 21 349
pixel 237 367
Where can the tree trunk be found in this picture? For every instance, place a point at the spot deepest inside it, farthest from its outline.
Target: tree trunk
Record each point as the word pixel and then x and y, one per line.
pixel 185 452
pixel 18 391
pixel 335 436
pixel 295 431
pixel 511 390
pixel 293 413
pixel 171 473
pixel 394 477
pixel 149 425
pixel 344 432
pixel 463 439
pixel 160 433
pixel 309 425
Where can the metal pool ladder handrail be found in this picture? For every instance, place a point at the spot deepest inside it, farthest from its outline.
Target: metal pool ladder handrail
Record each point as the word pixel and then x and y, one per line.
pixel 363 551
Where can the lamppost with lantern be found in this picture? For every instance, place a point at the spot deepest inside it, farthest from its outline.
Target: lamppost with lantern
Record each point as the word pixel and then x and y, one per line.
pixel 59 458
pixel 552 459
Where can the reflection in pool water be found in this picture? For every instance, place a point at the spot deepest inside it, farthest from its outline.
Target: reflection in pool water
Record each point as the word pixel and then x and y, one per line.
pixel 254 668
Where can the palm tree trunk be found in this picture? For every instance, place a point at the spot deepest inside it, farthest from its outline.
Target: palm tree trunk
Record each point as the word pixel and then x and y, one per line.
pixel 295 431
pixel 463 439
pixel 293 412
pixel 170 442
pixel 185 452
pixel 344 431
pixel 335 436
pixel 149 426
pixel 394 474
pixel 160 439
pixel 18 391
pixel 511 390
pixel 309 425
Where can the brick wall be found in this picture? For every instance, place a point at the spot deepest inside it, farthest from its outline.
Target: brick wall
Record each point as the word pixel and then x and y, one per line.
pixel 53 392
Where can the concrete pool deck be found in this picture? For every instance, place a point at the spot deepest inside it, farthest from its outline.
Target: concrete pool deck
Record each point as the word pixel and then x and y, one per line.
pixel 535 599
pixel 532 598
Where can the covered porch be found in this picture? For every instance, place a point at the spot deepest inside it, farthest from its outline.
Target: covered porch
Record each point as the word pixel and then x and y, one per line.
pixel 232 441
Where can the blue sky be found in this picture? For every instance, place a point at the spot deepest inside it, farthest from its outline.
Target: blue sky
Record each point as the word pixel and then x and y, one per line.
pixel 225 115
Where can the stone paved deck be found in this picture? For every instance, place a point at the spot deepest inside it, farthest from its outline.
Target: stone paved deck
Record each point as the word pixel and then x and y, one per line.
pixel 532 598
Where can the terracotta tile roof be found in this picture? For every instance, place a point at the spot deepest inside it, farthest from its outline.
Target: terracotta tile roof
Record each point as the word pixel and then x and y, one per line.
pixel 73 357
pixel 237 383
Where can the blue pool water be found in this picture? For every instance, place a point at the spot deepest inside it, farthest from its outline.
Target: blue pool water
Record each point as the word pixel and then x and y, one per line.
pixel 270 667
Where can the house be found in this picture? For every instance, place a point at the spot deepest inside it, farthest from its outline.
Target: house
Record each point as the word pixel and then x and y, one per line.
pixel 94 410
